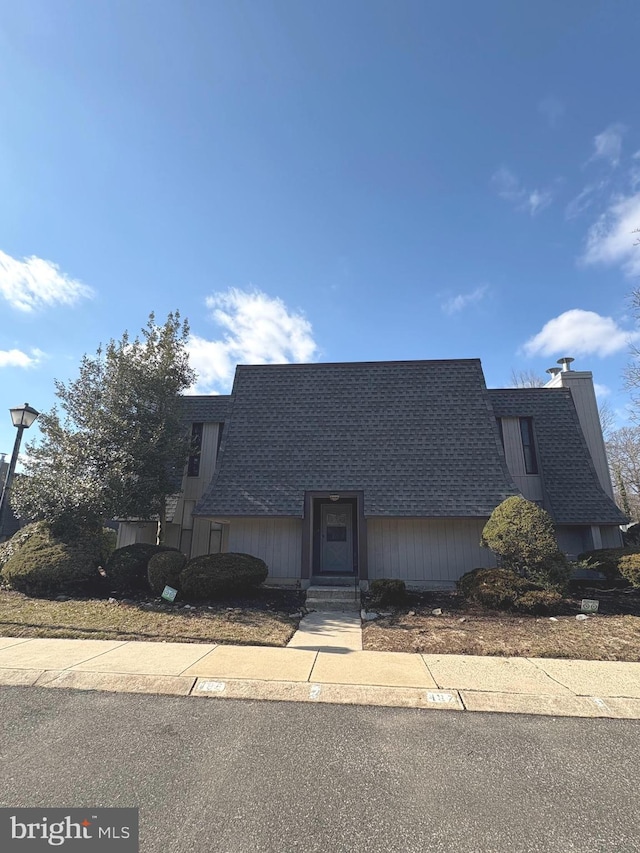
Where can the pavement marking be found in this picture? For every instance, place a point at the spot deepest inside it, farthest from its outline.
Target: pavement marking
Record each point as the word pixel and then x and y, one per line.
pixel 440 698
pixel 211 686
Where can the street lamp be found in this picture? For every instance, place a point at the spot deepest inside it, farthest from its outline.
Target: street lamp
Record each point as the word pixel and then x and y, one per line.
pixel 22 417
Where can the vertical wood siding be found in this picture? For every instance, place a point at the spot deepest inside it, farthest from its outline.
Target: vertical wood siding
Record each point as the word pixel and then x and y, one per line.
pixel 420 549
pixel 529 484
pixel 277 541
pixel 611 536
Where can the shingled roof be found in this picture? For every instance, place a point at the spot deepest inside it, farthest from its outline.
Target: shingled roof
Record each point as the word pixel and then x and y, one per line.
pixel 419 438
pixel 573 492
pixel 205 408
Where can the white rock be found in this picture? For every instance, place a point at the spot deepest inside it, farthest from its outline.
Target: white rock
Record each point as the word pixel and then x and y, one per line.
pixel 369 617
pixel 411 613
pixel 462 619
pixel 437 612
pixel 581 617
pixel 552 619
pixel 113 601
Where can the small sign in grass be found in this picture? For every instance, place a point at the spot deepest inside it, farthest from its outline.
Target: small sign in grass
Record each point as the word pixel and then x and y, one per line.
pixel 589 605
pixel 169 593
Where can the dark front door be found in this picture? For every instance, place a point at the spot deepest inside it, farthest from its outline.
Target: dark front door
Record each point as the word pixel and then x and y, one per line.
pixel 336 538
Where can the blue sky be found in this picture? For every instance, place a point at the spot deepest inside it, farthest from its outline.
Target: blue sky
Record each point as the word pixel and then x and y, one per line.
pixel 352 180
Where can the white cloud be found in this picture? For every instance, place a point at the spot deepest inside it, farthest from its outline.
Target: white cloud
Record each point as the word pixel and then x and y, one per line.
pixel 552 108
pixel 538 200
pixel 18 358
pixel 258 329
pixel 578 332
pixel 462 300
pixel 509 187
pixel 585 198
pixel 611 239
pixel 34 283
pixel 601 390
pixel 608 144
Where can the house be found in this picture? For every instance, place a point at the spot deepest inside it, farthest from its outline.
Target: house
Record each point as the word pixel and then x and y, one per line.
pixel 386 469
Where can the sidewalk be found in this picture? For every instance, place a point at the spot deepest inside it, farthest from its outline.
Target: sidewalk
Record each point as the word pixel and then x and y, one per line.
pixel 452 682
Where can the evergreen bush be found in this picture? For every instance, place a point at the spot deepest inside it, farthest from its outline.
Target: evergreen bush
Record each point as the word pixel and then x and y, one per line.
pixel 219 575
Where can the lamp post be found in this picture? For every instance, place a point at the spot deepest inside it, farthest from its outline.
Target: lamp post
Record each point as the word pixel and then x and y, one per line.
pixel 22 417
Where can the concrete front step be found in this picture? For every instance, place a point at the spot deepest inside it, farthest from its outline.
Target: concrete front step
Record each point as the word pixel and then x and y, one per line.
pixel 337 599
pixel 331 605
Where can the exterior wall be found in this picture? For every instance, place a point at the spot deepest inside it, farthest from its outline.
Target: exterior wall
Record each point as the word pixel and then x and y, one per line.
pixel 529 484
pixel 574 539
pixel 584 397
pixel 130 532
pixel 277 541
pixel 425 552
pixel 206 537
pixel 611 536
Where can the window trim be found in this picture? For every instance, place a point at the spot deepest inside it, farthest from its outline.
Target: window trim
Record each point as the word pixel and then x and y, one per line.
pixel 193 463
pixel 529 454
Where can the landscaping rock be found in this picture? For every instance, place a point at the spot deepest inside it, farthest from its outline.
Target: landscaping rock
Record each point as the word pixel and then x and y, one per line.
pixel 462 619
pixel 63 598
pixel 552 619
pixel 437 612
pixel 581 617
pixel 411 613
pixel 113 601
pixel 369 617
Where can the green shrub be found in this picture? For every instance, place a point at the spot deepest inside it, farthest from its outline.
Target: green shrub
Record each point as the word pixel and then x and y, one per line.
pixel 217 575
pixel 11 546
pixel 164 570
pixel 539 602
pixel 497 589
pixel 385 591
pixel 607 560
pixel 47 565
pixel 108 538
pixel 522 535
pixel 126 568
pixel 629 567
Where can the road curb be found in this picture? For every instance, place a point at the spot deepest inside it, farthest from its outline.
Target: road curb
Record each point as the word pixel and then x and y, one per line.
pixel 326 693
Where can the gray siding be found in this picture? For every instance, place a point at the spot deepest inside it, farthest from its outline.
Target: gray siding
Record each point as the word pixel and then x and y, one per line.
pixel 277 541
pixel 529 484
pixel 436 551
pixel 611 536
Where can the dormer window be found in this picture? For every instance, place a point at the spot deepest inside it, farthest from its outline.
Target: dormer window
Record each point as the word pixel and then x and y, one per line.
pixel 193 466
pixel 528 446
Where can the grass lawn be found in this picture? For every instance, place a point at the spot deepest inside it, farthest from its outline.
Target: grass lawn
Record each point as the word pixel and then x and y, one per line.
pixel 260 620
pixel 612 634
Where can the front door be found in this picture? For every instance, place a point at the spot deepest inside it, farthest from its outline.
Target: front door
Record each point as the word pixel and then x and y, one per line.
pixel 336 542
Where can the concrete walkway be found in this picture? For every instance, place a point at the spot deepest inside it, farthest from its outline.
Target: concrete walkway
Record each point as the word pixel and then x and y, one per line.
pixel 302 674
pixel 329 632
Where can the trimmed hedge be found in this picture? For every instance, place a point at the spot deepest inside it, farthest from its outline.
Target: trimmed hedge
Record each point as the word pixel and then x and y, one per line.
pixel 629 567
pixel 503 589
pixel 607 560
pixel 164 570
pixel 46 565
pixel 217 575
pixel 126 568
pixel 11 546
pixel 385 591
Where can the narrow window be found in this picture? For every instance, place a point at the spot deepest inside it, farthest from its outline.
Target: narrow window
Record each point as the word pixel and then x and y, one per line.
pixel 528 448
pixel 193 466
pixel 499 422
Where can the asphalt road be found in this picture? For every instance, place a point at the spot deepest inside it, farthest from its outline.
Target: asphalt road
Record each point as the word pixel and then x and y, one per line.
pixel 230 776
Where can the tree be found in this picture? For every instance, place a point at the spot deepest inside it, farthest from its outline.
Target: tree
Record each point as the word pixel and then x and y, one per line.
pixel 623 452
pixel 120 445
pixel 522 535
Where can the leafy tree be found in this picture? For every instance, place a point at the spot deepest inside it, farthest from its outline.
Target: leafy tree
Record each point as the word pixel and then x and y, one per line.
pixel 522 535
pixel 119 445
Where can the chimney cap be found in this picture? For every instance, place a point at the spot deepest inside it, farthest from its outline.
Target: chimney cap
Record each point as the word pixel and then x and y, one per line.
pixel 566 362
pixel 553 370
